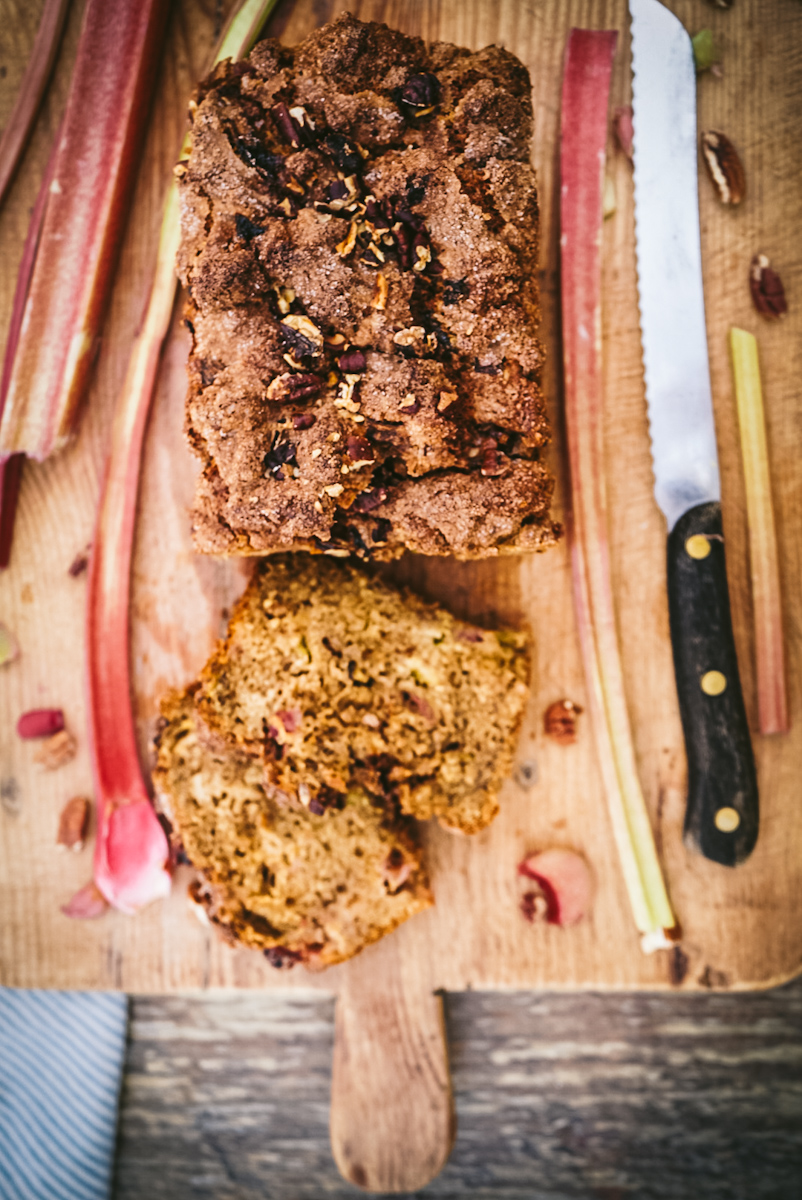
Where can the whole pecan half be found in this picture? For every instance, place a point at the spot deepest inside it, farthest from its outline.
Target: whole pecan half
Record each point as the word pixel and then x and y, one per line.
pixel 768 294
pixel 724 167
pixel 559 721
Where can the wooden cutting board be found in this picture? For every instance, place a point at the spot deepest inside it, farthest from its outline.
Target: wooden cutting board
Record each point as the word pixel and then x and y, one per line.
pixel 741 927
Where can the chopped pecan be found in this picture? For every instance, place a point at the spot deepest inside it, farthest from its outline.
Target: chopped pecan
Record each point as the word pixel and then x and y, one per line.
pixel 559 721
pixel 72 824
pixel 724 167
pixel 280 454
pixel 361 452
pixel 410 404
pixel 380 292
pixel 302 335
pixel 369 499
pixel 374 256
pixel 353 362
pixel 288 124
pixel 348 155
pixel 56 750
pixel 491 460
pixel 768 294
pixel 290 389
pixel 303 420
pixel 421 94
pixel 408 337
pixel 345 247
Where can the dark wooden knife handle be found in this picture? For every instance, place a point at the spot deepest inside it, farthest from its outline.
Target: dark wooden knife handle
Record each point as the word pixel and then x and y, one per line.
pixel 721 819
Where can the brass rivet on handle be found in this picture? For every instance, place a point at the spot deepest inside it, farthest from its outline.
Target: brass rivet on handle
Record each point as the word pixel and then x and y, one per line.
pixel 698 546
pixel 713 683
pixel 727 820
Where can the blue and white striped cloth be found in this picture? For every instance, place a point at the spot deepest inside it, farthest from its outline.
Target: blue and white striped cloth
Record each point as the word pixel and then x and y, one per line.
pixel 61 1063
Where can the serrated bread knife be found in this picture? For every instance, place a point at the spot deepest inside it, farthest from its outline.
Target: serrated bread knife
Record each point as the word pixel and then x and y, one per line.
pixel 721 818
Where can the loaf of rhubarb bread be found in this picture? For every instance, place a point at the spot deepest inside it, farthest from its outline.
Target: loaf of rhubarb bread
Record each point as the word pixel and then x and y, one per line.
pixel 359 248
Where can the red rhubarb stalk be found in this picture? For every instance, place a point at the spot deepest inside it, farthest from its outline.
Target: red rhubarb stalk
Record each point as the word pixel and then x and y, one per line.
pixel 585 95
pixel 94 174
pixel 11 468
pixel 37 73
pixel 131 852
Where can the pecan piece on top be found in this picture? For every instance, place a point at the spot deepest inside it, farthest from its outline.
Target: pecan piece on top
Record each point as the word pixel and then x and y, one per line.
pixel 724 167
pixel 290 389
pixel 421 93
pixel 768 294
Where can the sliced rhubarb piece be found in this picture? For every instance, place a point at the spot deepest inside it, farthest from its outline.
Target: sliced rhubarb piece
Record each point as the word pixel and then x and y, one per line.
pixel 86 202
pixel 564 879
pixel 86 904
pixel 131 851
pixel 772 700
pixel 586 85
pixel 37 73
pixel 40 723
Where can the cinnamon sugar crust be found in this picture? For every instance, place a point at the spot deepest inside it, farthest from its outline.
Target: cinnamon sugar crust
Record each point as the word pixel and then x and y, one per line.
pixel 359 248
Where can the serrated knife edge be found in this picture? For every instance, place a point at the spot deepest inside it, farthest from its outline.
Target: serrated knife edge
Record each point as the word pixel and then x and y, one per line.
pixel 668 246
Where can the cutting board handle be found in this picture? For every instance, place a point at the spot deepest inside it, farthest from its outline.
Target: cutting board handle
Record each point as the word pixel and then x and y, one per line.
pixel 392 1112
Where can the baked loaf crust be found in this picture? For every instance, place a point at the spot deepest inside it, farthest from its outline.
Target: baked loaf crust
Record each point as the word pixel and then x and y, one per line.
pixel 334 680
pixel 302 887
pixel 359 246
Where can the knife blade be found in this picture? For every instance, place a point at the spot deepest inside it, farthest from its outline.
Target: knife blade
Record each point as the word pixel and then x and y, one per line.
pixel 721 818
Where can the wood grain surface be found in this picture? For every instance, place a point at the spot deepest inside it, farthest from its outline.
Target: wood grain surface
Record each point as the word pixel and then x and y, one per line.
pixel 632 1096
pixel 392 1117
pixel 741 927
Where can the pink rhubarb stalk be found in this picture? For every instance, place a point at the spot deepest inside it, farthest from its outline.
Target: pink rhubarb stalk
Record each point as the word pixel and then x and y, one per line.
pixel 11 468
pixel 585 95
pixel 93 177
pixel 37 73
pixel 131 853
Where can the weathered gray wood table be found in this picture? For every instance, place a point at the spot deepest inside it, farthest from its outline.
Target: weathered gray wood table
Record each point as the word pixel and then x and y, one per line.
pixel 581 1096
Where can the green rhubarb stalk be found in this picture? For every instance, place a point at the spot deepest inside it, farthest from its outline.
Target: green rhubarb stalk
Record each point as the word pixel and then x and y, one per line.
pixel 763 558
pixel 585 95
pixel 131 852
